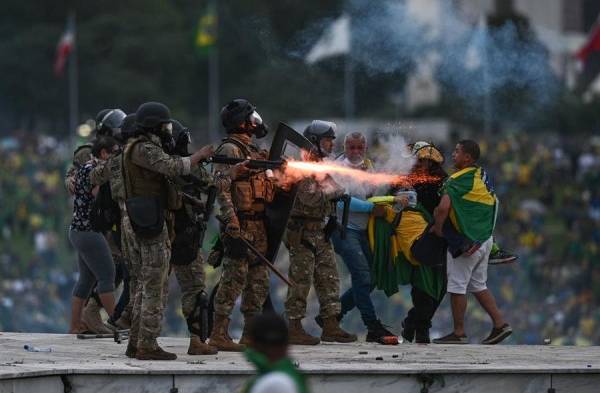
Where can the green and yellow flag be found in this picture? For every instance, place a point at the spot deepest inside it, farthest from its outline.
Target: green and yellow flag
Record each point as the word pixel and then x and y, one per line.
pixel 474 204
pixel 393 262
pixel 206 32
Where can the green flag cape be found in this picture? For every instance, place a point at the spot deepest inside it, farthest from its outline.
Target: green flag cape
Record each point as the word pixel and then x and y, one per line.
pixel 391 268
pixel 474 204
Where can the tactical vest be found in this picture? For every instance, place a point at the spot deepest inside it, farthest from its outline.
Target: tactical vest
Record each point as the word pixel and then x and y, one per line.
pixel 250 193
pixel 316 206
pixel 140 181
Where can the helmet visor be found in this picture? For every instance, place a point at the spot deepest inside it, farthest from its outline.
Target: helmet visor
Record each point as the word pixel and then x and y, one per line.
pixel 255 119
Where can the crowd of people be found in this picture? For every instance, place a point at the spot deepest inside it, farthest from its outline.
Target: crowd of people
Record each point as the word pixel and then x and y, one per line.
pixel 549 193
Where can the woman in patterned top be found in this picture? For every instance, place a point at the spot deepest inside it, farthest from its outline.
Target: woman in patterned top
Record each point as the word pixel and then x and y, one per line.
pixel 94 257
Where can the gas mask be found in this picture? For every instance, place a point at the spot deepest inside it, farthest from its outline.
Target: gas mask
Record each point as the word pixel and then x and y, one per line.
pixel 259 128
pixel 166 137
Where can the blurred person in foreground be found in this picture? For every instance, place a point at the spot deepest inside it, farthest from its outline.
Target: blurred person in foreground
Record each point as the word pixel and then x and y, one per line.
pixel 268 352
pixel 95 261
pixel 470 204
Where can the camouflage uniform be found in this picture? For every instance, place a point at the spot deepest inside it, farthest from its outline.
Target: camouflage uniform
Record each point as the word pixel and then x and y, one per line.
pixel 311 255
pixel 111 171
pixel 81 155
pixel 191 277
pixel 146 168
pixel 243 200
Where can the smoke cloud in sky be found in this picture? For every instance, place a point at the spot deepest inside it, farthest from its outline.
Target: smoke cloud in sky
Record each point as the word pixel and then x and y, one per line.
pixel 472 61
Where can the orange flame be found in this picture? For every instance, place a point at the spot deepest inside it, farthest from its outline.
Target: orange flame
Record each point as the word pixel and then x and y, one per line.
pixel 299 169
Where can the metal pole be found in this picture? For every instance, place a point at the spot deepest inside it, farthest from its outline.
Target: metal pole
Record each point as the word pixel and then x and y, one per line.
pixel 73 82
pixel 349 87
pixel 213 84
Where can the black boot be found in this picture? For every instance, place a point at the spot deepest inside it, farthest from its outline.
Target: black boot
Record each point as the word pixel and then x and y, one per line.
pixel 408 332
pixel 377 332
pixel 422 336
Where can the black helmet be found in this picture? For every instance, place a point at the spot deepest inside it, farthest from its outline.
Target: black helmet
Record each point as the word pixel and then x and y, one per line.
pixel 318 130
pixel 152 115
pixel 236 113
pixel 128 127
pixel 110 123
pixel 100 116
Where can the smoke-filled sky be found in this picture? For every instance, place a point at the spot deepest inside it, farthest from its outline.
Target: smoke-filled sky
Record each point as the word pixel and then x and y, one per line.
pixel 472 61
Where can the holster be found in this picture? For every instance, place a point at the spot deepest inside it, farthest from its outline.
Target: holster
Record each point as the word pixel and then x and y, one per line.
pixel 146 215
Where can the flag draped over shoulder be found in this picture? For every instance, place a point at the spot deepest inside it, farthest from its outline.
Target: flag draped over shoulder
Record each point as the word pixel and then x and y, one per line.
pixel 393 263
pixel 474 204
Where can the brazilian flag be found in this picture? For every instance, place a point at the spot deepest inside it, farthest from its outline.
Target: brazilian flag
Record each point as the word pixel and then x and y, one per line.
pixel 206 32
pixel 393 262
pixel 474 204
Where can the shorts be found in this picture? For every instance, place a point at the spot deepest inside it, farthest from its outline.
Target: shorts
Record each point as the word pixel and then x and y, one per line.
pixel 469 273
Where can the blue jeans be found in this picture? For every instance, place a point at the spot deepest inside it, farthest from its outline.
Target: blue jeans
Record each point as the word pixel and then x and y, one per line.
pixel 357 257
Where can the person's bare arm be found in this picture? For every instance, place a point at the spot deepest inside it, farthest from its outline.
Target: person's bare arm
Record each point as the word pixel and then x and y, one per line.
pixel 440 214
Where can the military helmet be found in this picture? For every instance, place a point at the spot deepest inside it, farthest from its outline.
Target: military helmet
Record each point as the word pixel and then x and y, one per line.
pixel 151 115
pixel 428 151
pixel 128 127
pixel 318 130
pixel 110 123
pixel 236 113
pixel 100 116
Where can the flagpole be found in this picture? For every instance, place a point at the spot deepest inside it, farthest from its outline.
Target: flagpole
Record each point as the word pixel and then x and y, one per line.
pixel 487 98
pixel 349 87
pixel 73 82
pixel 213 83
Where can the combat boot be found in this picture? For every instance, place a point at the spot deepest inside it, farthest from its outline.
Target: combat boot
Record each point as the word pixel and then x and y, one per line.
pixel 131 350
pixel 197 347
pixel 91 317
pixel 298 336
pixel 332 332
pixel 219 337
pixel 156 353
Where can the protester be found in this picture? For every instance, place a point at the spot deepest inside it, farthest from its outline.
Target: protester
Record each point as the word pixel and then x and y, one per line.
pixel 470 204
pixel 354 250
pixel 95 260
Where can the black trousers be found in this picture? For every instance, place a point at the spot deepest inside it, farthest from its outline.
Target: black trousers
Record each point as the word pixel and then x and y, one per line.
pixel 424 305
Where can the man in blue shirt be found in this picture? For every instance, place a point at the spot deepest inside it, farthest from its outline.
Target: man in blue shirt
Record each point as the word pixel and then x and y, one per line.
pixel 354 250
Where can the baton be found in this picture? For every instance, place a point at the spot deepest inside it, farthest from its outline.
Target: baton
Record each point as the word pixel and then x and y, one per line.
pixel 262 258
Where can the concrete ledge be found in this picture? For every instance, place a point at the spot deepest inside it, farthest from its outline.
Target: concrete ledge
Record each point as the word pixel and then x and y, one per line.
pixel 100 366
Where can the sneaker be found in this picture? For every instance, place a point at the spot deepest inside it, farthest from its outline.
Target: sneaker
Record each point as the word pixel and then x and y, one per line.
pixel 500 257
pixel 378 333
pixel 498 334
pixel 451 339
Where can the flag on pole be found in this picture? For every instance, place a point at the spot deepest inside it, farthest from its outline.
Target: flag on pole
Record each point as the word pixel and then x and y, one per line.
pixel 65 47
pixel 589 58
pixel 206 32
pixel 334 41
